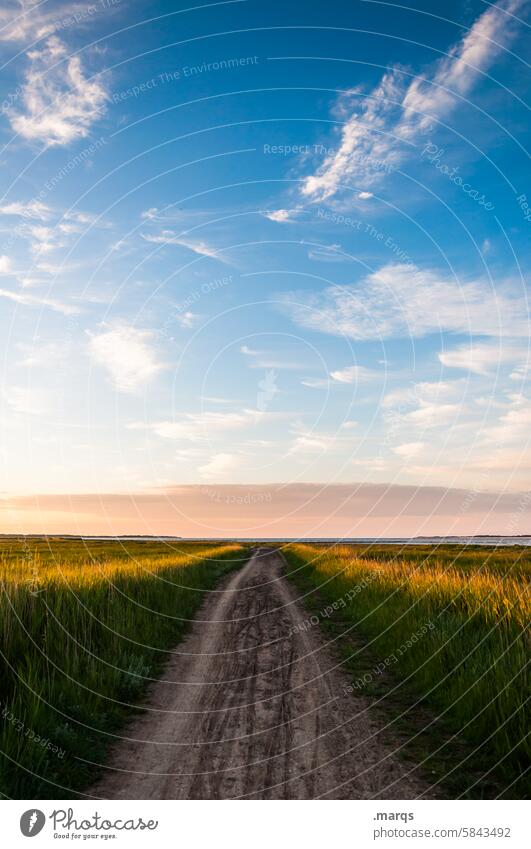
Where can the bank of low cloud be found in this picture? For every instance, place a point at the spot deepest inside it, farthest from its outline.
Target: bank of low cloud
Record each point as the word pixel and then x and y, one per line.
pixel 277 510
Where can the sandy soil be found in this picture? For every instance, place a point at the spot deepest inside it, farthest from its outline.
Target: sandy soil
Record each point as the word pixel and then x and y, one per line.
pixel 251 707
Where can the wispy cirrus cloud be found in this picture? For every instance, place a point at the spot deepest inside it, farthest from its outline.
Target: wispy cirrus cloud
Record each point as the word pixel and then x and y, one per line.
pixel 401 300
pixel 59 103
pixel 44 231
pixel 379 128
pixel 199 247
pixel 207 425
pixel 24 299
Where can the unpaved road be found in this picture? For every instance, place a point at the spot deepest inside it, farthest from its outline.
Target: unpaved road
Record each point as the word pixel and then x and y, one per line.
pixel 251 707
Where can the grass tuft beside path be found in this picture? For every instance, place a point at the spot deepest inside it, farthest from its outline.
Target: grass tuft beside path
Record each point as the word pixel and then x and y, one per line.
pixel 84 625
pixel 440 628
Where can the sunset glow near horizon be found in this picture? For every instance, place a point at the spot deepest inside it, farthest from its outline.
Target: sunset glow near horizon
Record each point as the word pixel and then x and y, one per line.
pixel 263 269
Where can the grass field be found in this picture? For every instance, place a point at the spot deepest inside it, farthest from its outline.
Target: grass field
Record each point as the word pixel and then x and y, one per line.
pixel 84 625
pixel 437 636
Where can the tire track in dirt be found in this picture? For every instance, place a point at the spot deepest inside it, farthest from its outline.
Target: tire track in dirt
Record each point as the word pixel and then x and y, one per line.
pixel 249 706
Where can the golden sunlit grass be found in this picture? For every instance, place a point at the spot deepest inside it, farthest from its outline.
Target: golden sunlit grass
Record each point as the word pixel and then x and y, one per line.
pixel 84 625
pixel 471 608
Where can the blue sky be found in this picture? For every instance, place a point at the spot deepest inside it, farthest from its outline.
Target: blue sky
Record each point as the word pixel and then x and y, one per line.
pixel 253 244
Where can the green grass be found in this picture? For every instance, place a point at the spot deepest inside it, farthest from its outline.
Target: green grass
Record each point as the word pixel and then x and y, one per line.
pixel 436 636
pixel 84 626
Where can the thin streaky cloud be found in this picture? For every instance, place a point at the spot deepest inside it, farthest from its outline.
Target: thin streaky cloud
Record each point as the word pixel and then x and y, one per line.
pixel 200 248
pixel 207 425
pixel 377 131
pixel 26 300
pixel 356 374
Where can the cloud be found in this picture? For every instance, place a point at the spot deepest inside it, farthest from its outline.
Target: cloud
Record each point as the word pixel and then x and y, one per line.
pixel 34 301
pixel 60 102
pixel 188 319
pixel 35 209
pixel 201 248
pixel 219 464
pixel 26 400
pixel 40 354
pixel 279 510
pixel 28 20
pixel 329 253
pixel 366 143
pixel 282 215
pixel 520 372
pixel 425 391
pixel 127 354
pixel 310 442
pixel 354 374
pixel 28 209
pixel 402 301
pixel 45 239
pixel 47 230
pixel 266 360
pixel 149 214
pixel 5 264
pixel 206 425
pixel 432 415
pixel 270 362
pixel 458 72
pixel 377 132
pixel 513 426
pixel 485 358
pixel 365 195
pixel 317 442
pixel 426 404
pixel 407 450
pixel 316 382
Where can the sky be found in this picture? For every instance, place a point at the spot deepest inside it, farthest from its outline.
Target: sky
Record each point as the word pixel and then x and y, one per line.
pixel 263 268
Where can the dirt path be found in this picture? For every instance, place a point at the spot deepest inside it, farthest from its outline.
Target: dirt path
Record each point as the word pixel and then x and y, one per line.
pixel 249 706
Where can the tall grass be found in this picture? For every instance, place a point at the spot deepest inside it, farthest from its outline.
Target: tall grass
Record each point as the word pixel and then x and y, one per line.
pixel 83 627
pixel 441 625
